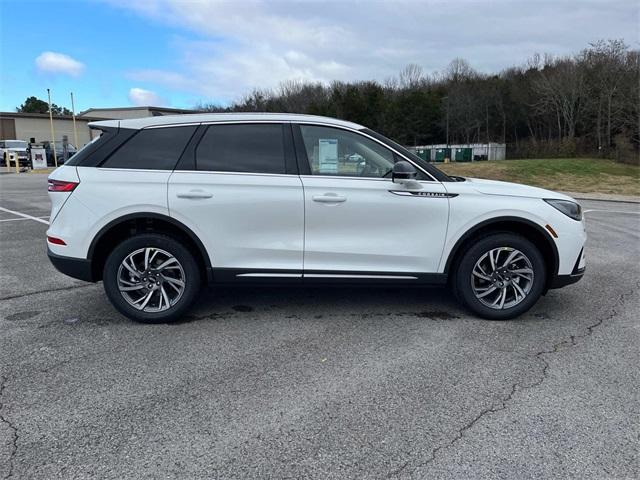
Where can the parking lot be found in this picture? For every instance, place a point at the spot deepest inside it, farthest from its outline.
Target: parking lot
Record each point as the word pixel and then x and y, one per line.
pixel 319 382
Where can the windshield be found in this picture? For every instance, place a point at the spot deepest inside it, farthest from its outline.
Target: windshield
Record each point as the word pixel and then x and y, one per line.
pixel 16 144
pixel 437 174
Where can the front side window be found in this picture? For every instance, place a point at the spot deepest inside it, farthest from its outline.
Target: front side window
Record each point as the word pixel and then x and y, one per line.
pixel 152 149
pixel 246 148
pixel 332 151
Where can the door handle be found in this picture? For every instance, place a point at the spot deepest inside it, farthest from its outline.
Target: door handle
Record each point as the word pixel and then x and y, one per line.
pixel 329 198
pixel 194 194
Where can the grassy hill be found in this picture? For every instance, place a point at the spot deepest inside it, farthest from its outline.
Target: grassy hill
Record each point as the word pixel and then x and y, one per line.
pixel 568 174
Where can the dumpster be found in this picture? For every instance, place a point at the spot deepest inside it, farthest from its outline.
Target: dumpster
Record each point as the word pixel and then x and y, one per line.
pixel 463 154
pixel 423 153
pixel 442 153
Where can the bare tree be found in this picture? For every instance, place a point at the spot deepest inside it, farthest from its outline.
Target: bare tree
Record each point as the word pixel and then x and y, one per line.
pixel 562 89
pixel 605 63
pixel 410 76
pixel 459 70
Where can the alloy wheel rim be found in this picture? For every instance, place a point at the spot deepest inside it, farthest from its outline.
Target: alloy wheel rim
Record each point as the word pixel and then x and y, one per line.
pixel 151 280
pixel 502 278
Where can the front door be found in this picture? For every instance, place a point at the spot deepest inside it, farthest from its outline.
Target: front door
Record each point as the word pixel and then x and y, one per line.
pixel 357 219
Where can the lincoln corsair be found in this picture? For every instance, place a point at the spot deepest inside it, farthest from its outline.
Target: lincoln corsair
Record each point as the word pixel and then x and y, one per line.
pixel 156 207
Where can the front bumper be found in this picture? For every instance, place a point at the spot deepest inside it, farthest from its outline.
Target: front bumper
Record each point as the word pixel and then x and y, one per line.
pixel 79 268
pixel 576 274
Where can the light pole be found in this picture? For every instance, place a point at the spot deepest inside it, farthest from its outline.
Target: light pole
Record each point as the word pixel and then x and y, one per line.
pixel 75 131
pixel 53 142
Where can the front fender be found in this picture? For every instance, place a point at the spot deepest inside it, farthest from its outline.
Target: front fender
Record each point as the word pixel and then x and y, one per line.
pixel 471 212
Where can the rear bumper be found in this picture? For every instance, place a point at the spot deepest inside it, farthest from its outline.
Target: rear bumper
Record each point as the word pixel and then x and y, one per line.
pixel 79 268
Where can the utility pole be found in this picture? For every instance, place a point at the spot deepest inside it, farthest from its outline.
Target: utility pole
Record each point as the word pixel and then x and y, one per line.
pixel 447 107
pixel 53 141
pixel 75 130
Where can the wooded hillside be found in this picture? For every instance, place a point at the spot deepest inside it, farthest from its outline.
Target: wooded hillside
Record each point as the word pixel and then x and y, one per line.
pixel 585 104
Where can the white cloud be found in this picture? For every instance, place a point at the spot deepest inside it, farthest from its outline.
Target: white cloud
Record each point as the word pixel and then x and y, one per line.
pixel 141 97
pixel 54 62
pixel 259 43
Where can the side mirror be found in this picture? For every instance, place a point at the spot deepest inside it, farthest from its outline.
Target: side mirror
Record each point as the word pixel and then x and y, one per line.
pixel 403 171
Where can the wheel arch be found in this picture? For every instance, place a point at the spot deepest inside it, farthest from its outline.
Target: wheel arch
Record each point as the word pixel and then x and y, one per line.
pixel 521 226
pixel 144 222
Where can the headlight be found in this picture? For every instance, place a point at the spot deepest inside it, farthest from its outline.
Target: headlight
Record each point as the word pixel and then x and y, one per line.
pixel 570 209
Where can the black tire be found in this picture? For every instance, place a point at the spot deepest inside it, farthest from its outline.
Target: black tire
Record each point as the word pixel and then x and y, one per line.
pixel 463 276
pixel 192 277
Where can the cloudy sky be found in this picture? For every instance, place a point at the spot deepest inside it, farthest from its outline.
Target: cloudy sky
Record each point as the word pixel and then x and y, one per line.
pixel 180 52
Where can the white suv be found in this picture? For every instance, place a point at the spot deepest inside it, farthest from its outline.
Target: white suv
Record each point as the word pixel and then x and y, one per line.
pixel 17 146
pixel 156 207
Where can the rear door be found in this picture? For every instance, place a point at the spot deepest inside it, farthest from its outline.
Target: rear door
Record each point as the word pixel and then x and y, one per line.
pixel 129 175
pixel 239 190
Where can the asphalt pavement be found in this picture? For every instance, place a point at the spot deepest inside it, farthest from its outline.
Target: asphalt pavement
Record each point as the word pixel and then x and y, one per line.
pixel 326 383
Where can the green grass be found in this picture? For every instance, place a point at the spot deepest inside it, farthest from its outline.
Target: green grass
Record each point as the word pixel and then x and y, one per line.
pixel 568 174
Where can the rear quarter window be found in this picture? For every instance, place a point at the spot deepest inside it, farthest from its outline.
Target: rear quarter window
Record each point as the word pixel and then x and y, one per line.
pixel 152 149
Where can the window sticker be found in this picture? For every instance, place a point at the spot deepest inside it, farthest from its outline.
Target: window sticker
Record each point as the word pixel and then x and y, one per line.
pixel 328 156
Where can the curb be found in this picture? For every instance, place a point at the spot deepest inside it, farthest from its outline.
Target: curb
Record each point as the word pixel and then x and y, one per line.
pixel 632 202
pixel 615 199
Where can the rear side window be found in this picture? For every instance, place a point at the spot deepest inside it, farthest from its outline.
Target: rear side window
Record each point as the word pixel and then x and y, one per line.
pixel 152 149
pixel 250 148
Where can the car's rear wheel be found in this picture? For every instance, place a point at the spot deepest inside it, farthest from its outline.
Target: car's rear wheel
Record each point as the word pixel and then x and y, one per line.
pixel 151 278
pixel 500 276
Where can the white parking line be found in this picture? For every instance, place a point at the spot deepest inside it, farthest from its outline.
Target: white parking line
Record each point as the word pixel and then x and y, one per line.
pixel 24 215
pixel 17 219
pixel 612 211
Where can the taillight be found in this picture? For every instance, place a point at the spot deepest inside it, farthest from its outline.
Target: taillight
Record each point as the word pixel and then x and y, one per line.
pixel 60 186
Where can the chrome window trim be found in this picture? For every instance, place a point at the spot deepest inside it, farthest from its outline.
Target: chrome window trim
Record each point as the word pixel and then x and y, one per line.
pixel 221 122
pixel 270 275
pixel 218 172
pixel 203 172
pixel 169 125
pixel 122 169
pixel 363 276
pixel 375 179
pixel 344 177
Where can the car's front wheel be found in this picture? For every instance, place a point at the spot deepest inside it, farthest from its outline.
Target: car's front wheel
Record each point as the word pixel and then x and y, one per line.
pixel 500 276
pixel 151 278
